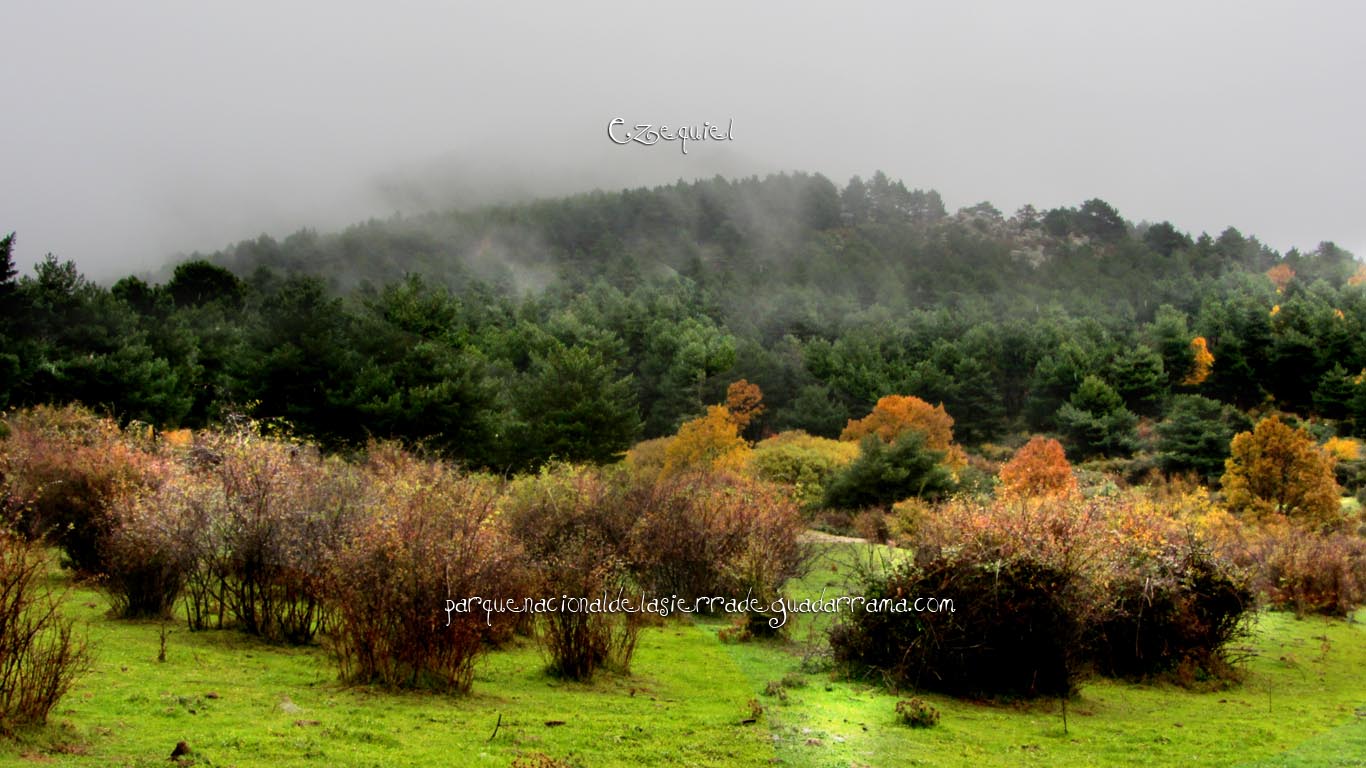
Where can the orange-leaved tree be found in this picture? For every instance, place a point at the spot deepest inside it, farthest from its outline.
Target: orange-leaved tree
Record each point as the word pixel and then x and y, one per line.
pixel 895 414
pixel 1038 470
pixel 1280 276
pixel 1276 469
pixel 745 401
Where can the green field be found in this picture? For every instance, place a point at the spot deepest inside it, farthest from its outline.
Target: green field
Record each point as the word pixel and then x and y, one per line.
pixel 238 702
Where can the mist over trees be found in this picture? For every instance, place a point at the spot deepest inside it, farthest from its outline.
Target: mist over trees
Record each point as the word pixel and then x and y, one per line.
pixel 571 328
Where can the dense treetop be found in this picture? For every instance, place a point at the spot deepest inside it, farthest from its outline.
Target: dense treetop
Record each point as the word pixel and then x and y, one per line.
pixel 569 328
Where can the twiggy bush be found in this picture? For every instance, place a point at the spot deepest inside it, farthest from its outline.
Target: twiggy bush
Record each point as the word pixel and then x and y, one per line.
pixel 150 549
pixel 40 657
pixel 716 535
pixel 1296 567
pixel 1177 609
pixel 284 511
pixel 63 470
pixel 427 534
pixel 575 528
pixel 1044 591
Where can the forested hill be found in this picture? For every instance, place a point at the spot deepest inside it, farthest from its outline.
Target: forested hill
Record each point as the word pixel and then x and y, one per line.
pixel 571 327
pixel 762 248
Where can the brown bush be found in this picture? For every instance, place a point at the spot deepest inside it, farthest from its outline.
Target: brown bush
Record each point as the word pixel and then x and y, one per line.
pixel 150 550
pixel 716 535
pixel 63 469
pixel 427 534
pixel 266 521
pixel 575 528
pixel 871 525
pixel 40 657
pixel 1297 568
pixel 1175 609
pixel 1044 590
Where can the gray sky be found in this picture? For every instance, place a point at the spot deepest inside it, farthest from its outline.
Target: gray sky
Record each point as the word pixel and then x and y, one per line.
pixel 132 132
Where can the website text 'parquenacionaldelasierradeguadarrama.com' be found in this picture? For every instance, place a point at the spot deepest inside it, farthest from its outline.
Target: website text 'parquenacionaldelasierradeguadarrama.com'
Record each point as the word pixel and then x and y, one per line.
pixel 777 609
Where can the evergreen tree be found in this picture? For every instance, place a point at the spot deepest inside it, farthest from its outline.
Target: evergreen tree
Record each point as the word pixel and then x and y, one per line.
pixel 883 474
pixel 1195 436
pixel 1096 421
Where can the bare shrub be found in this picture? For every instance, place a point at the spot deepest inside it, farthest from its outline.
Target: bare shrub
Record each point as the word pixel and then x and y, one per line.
pixel 63 469
pixel 574 525
pixel 40 657
pixel 427 534
pixel 716 534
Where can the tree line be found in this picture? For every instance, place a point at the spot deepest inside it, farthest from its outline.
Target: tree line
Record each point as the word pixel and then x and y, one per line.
pixel 572 328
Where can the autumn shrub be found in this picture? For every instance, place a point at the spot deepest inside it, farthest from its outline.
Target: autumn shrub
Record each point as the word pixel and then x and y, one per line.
pixel 1324 572
pixel 871 525
pixel 1022 600
pixel 645 460
pixel 716 535
pixel 150 552
pixel 1043 592
pixel 1178 607
pixel 1038 470
pixel 1300 569
pixel 838 522
pixel 802 462
pixel 40 655
pixel 427 534
pixel 905 519
pixel 269 517
pixel 63 469
pixel 1011 632
pixel 575 528
pixel 709 443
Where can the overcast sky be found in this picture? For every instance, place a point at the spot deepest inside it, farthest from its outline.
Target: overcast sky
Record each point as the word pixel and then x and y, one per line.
pixel 133 132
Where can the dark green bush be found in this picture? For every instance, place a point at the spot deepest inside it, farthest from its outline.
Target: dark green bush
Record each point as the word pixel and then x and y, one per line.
pixel 884 474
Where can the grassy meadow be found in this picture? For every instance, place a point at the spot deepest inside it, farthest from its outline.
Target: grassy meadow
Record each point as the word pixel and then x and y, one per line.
pixel 239 702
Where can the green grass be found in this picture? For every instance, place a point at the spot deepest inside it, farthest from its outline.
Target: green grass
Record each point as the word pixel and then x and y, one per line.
pixel 238 702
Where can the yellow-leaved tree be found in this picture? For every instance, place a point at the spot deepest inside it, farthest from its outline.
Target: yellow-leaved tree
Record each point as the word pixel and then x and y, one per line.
pixel 708 443
pixel 1276 469
pixel 1202 363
